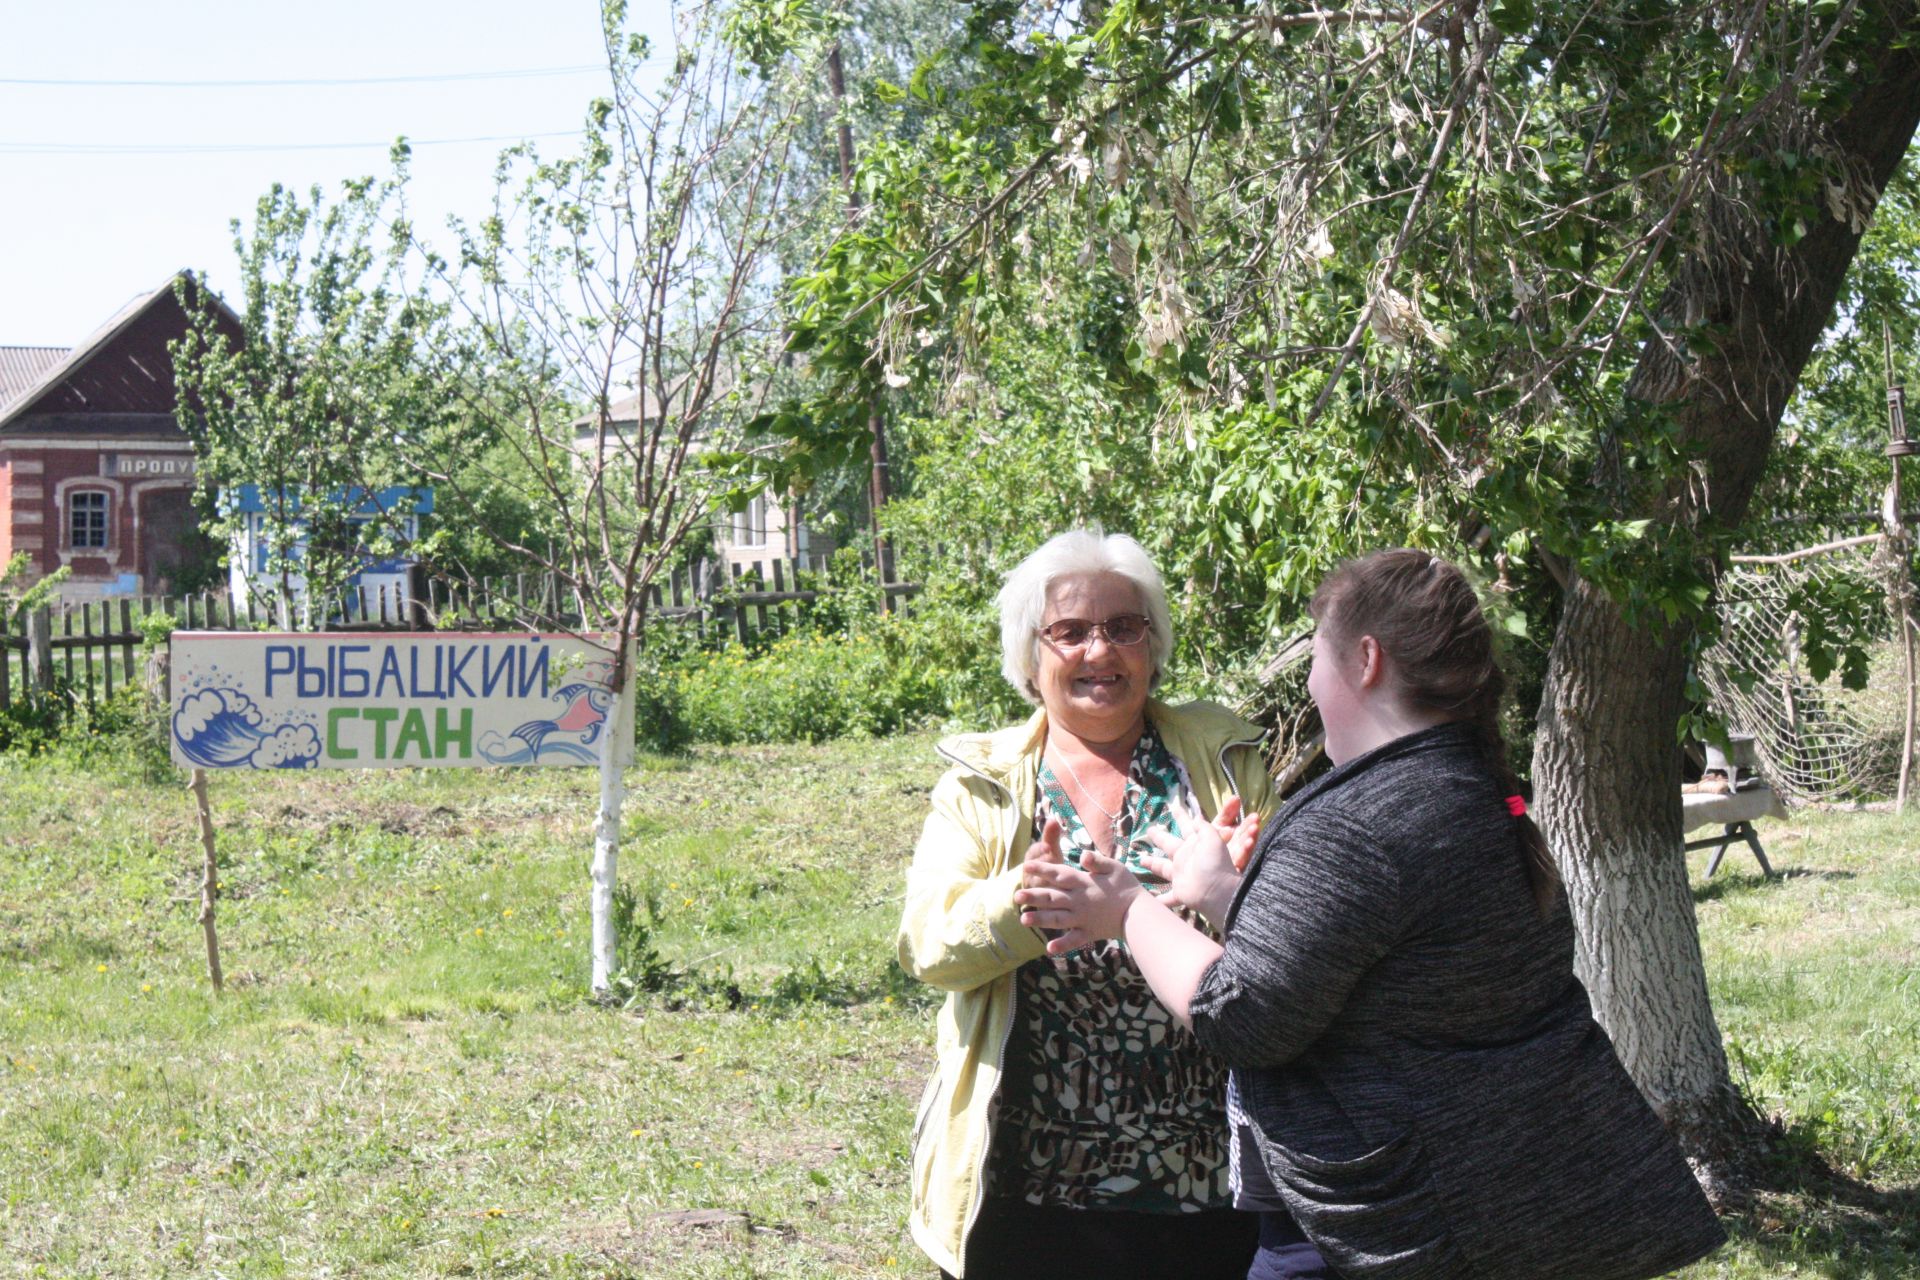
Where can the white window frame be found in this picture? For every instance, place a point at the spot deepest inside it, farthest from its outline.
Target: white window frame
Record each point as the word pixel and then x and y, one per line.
pixel 76 500
pixel 750 524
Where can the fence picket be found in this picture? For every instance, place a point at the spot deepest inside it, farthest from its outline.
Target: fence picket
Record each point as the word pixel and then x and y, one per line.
pixel 86 649
pixel 739 610
pixel 126 647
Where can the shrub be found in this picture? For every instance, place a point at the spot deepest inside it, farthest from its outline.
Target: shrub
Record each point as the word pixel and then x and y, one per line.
pixel 809 686
pixel 659 714
pixel 32 723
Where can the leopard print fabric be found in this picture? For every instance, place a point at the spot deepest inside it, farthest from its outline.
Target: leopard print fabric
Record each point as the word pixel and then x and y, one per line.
pixel 1106 1101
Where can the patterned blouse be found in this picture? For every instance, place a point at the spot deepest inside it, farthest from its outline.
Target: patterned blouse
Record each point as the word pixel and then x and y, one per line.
pixel 1106 1101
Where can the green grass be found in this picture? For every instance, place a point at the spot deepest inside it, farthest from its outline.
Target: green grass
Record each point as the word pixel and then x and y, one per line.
pixel 1814 984
pixel 405 1077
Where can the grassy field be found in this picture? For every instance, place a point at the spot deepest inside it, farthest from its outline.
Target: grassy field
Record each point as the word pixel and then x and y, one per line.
pixel 405 1077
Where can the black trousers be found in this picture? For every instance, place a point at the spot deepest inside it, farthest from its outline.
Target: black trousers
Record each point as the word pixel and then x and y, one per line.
pixel 1013 1240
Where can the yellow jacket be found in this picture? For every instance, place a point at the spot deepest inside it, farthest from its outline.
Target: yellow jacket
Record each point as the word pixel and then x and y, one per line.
pixel 961 931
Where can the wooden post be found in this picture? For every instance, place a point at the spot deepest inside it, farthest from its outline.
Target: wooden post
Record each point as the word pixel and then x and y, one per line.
pixel 209 877
pixel 739 610
pixel 126 647
pixel 86 650
pixel 1897 548
pixel 1900 594
pixel 40 650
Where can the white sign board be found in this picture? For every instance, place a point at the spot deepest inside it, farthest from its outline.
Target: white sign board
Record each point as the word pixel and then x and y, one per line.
pixel 367 700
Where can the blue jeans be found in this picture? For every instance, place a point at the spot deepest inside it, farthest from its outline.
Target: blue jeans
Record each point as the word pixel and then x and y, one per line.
pixel 1285 1253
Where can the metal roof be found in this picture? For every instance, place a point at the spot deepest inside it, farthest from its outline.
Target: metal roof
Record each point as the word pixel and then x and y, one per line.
pixel 69 363
pixel 23 367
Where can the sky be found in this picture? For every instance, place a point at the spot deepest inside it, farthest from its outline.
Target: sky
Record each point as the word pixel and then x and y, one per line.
pixel 107 189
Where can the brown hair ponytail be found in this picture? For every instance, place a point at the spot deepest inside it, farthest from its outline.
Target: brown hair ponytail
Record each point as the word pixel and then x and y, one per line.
pixel 1427 619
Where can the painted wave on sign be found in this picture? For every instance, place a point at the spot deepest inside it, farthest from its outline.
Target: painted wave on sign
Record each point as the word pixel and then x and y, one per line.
pixel 224 729
pixel 581 715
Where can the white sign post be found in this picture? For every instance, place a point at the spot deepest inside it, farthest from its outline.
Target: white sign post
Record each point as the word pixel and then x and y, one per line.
pixel 373 700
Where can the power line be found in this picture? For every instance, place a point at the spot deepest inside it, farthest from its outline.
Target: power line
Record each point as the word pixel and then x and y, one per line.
pixel 523 73
pixel 226 148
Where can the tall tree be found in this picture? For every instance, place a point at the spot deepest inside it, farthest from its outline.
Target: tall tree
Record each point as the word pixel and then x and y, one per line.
pixel 1529 285
pixel 610 324
pixel 309 404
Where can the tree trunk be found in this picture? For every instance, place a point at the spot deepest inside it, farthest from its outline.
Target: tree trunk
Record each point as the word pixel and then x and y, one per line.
pixel 1605 763
pixel 1607 773
pixel 606 828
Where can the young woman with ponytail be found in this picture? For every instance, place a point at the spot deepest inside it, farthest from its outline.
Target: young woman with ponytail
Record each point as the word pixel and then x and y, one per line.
pixel 1417 1079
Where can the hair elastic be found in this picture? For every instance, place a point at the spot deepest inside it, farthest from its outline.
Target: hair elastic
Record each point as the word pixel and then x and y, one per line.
pixel 1516 806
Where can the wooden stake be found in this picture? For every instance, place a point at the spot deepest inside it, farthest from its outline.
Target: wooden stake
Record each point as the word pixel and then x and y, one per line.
pixel 1902 592
pixel 209 876
pixel 1898 550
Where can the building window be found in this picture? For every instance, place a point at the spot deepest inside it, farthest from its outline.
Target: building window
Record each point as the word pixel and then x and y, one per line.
pixel 87 520
pixel 750 526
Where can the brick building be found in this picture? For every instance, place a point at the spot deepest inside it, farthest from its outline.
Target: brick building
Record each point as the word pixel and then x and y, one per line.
pixel 94 472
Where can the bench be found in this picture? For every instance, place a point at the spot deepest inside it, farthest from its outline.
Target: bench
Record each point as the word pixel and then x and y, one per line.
pixel 1734 813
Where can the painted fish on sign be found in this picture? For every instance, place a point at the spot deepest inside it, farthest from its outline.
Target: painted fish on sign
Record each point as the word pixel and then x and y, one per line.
pixel 363 701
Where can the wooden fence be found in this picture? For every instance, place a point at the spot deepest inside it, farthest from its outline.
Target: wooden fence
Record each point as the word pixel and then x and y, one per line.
pixel 92 648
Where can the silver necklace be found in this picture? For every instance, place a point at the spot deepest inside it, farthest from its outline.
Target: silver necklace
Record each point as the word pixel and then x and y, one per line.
pixel 1112 815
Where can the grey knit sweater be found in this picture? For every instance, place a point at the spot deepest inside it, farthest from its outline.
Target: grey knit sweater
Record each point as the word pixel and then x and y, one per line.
pixel 1429 1090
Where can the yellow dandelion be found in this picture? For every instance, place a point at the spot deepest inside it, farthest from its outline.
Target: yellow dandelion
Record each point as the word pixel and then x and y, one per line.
pixel 699 1164
pixel 686 902
pixel 100 968
pixel 507 914
pixel 406 1223
pixel 637 1133
pixel 146 986
pixel 478 930
pixel 496 1212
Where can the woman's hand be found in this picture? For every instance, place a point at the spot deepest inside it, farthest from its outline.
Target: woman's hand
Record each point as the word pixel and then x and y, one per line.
pixel 1203 870
pixel 1088 902
pixel 1045 849
pixel 1237 833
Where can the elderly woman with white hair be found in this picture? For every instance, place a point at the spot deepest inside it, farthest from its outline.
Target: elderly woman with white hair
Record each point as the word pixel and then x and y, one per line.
pixel 1073 1126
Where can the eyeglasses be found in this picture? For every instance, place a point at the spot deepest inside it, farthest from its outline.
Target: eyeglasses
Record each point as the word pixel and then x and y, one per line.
pixel 1122 629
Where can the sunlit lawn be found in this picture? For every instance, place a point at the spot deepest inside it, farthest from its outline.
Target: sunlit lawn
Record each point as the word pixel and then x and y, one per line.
pixel 404 1076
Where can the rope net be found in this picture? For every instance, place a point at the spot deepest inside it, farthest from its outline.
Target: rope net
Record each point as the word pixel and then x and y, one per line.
pixel 1817 740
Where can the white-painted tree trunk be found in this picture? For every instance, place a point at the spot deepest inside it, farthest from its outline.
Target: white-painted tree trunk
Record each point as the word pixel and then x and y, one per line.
pixel 1607 793
pixel 614 753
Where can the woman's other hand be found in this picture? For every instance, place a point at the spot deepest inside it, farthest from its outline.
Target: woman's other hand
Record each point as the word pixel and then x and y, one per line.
pixel 1237 833
pixel 1203 870
pixel 1087 903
